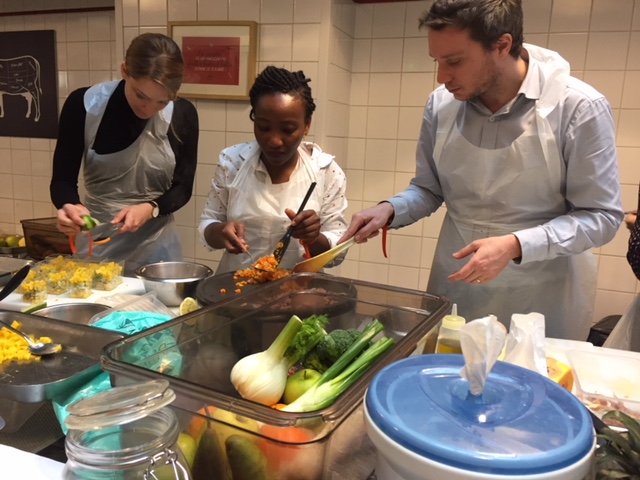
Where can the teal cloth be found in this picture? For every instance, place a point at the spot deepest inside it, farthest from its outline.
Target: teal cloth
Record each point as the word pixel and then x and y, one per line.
pixel 155 352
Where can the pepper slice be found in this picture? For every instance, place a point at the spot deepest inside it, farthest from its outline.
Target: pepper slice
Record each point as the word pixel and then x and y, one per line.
pixel 384 240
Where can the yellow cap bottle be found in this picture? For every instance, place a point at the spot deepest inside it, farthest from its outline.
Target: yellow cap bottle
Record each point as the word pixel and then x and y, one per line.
pixel 449 333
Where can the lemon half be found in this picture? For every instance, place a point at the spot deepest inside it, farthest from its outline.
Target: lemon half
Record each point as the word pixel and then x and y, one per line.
pixel 189 305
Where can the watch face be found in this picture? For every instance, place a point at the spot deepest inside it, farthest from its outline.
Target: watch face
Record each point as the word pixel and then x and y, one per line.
pixel 156 210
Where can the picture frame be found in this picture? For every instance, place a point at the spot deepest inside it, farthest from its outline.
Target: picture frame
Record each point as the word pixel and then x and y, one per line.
pixel 219 58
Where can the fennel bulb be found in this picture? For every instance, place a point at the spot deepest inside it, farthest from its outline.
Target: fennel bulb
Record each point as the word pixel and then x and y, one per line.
pixel 262 377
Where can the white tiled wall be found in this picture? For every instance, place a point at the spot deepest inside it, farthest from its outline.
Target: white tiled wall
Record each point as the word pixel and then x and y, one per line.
pixel 371 77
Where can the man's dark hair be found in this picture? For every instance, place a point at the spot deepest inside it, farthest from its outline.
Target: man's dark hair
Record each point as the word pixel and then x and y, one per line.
pixel 485 20
pixel 279 80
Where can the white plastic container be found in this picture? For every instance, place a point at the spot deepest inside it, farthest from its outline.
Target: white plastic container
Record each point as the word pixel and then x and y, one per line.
pixel 607 379
pixel 427 426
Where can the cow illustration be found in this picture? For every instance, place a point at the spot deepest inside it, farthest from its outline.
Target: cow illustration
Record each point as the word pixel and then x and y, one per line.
pixel 21 76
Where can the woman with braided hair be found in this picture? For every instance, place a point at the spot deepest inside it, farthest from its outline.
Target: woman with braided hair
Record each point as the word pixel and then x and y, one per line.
pixel 258 185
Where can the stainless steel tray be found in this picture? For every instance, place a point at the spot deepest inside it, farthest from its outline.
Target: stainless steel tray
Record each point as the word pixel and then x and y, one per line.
pixel 57 375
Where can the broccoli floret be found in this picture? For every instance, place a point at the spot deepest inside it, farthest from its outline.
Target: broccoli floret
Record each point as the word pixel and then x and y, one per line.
pixel 314 361
pixel 330 348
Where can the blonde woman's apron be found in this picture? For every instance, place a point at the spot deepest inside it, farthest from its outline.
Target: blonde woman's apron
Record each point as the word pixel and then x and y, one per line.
pixel 260 205
pixel 496 192
pixel 141 172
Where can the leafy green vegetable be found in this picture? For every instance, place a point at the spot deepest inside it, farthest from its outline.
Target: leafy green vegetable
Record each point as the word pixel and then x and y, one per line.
pixel 619 457
pixel 310 334
pixel 330 348
pixel 344 372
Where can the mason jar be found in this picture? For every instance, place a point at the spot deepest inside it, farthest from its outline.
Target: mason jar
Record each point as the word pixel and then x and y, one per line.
pixel 125 433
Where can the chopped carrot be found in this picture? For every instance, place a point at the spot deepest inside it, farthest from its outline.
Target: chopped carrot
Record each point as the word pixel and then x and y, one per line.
pixel 223 291
pixel 238 290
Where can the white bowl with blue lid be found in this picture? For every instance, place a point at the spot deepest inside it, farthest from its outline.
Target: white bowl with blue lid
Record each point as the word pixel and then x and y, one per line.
pixel 426 425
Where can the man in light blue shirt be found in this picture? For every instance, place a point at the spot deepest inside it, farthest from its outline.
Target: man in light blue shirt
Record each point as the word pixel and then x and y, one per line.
pixel 523 155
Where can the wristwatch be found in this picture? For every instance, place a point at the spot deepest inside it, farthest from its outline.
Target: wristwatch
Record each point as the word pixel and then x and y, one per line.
pixel 156 208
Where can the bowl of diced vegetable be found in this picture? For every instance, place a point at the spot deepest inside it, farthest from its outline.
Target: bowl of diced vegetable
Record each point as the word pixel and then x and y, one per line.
pixel 285 392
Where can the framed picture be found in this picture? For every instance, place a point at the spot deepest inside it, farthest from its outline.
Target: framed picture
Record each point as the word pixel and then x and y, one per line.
pixel 28 84
pixel 219 58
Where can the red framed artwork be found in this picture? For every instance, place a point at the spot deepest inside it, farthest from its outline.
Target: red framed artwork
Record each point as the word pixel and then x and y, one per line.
pixel 219 58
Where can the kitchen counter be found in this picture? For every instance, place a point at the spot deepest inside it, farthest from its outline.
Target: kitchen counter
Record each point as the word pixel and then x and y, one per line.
pixel 19 464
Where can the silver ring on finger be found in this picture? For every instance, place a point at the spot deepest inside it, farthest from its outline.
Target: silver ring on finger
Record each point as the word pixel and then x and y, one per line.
pixel 478 280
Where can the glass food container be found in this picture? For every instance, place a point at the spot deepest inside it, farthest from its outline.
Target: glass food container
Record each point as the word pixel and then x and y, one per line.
pixel 328 444
pixel 125 433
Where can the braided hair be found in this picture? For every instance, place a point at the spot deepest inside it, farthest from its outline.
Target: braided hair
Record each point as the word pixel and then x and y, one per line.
pixel 279 80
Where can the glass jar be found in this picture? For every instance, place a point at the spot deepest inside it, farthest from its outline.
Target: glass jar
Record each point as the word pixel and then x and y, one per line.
pixel 125 433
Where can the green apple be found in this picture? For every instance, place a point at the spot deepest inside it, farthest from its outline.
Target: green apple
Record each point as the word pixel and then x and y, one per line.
pixel 298 383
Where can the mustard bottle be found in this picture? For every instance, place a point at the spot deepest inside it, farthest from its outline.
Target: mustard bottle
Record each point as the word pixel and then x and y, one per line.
pixel 449 333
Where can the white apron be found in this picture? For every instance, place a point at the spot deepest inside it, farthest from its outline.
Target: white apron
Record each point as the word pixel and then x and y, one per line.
pixel 496 192
pixel 141 172
pixel 260 205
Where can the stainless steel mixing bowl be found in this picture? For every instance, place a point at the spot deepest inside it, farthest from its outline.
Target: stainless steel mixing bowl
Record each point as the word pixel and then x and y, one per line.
pixel 172 281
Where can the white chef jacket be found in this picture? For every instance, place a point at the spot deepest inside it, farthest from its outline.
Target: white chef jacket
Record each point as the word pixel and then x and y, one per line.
pixel 584 137
pixel 328 199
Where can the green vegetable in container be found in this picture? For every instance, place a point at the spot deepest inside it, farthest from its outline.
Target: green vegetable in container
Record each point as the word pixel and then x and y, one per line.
pixel 330 349
pixel 344 372
pixel 262 377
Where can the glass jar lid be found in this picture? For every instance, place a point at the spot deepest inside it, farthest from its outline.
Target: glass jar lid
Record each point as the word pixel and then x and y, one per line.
pixel 119 405
pixel 522 423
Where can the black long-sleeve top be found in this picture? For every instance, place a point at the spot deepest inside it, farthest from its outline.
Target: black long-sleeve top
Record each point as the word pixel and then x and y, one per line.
pixel 118 129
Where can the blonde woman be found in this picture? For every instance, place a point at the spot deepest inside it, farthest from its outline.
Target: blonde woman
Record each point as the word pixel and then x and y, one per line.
pixel 137 142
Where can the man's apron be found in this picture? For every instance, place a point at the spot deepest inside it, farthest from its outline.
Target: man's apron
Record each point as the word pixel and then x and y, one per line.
pixel 260 205
pixel 141 172
pixel 496 192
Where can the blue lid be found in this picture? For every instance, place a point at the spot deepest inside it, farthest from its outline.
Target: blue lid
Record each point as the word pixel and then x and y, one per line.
pixel 523 423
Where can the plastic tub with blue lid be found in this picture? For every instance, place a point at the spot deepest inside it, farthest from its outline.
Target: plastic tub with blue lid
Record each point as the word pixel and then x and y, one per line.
pixel 426 425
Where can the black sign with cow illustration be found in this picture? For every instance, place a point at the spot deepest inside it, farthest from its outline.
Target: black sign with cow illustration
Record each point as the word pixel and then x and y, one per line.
pixel 28 84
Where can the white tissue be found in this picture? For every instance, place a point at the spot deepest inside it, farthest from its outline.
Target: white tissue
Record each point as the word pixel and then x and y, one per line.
pixel 482 341
pixel 526 343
